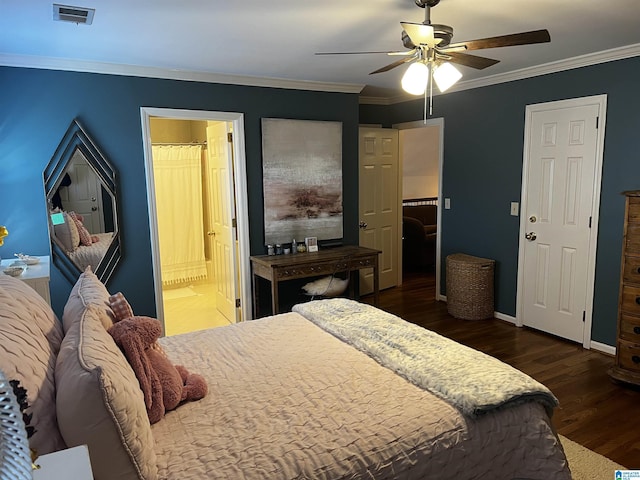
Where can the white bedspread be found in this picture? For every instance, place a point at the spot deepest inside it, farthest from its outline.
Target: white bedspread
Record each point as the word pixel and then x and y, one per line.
pixel 86 255
pixel 288 400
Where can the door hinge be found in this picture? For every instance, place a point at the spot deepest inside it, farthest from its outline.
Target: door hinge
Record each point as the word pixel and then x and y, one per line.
pixel 590 221
pixel 584 315
pixel 237 303
pixel 597 122
pixel 234 223
pixel 229 137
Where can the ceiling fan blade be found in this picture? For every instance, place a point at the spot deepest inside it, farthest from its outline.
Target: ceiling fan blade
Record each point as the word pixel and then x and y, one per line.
pixel 473 61
pixel 524 38
pixel 388 52
pixel 395 64
pixel 420 34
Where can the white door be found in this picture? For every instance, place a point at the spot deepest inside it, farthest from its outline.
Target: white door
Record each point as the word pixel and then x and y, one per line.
pixel 379 203
pixel 83 195
pixel 561 185
pixel 222 234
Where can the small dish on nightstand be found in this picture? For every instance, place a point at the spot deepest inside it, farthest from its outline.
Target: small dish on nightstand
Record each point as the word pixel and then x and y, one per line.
pixel 13 271
pixel 28 259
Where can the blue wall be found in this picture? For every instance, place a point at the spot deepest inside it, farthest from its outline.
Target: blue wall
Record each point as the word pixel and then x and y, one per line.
pixel 37 106
pixel 484 131
pixel 483 145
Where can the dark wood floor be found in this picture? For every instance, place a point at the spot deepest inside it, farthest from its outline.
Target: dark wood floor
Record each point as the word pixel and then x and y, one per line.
pixel 594 411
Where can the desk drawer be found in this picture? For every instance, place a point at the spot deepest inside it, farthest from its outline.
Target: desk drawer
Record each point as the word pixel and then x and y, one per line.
pixel 629 356
pixel 631 269
pixel 630 299
pixel 634 210
pixel 363 262
pixel 633 238
pixel 301 271
pixel 630 328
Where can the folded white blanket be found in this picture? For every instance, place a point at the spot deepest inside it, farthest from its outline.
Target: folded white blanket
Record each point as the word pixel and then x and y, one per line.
pixel 472 381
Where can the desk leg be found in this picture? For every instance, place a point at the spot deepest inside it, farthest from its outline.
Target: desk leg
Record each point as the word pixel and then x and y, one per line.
pixel 376 284
pixel 352 284
pixel 256 296
pixel 274 296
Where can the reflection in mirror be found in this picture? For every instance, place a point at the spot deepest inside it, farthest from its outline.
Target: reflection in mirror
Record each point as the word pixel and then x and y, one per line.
pixel 81 201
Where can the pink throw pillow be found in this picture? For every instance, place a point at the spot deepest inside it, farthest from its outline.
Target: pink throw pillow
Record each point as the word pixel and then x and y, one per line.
pixel 85 236
pixel 120 306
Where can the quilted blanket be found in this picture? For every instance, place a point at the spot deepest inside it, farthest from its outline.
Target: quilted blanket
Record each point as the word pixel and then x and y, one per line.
pixel 289 401
pixel 428 360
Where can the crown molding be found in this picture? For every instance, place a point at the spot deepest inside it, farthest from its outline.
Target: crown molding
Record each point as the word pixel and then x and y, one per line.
pixel 51 63
pixel 589 59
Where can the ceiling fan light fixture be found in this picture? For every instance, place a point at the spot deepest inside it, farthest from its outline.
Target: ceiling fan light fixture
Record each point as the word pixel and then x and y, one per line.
pixel 415 79
pixel 446 75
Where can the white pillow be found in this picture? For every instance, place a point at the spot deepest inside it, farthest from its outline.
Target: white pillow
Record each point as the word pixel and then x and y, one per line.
pixel 99 402
pixel 88 291
pixel 67 233
pixel 326 286
pixel 30 338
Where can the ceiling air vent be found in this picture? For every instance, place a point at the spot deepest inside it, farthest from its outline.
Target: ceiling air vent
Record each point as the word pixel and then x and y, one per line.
pixel 66 13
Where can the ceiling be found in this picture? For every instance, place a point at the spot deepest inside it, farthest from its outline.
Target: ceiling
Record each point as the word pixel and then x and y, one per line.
pixel 277 39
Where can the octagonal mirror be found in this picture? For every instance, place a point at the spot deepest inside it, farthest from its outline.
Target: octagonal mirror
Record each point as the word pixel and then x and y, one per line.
pixel 80 186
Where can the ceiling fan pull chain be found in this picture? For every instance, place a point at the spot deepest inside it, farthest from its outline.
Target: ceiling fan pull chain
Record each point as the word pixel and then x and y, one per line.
pixel 430 91
pixel 425 106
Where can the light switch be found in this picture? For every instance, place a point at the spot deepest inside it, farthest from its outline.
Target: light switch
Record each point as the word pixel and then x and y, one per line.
pixel 447 203
pixel 515 208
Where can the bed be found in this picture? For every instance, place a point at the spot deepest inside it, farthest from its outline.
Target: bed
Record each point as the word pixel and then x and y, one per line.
pixel 82 247
pixel 333 390
pixel 91 255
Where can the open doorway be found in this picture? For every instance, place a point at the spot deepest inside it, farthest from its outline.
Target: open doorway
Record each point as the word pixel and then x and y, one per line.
pixel 421 158
pixel 201 280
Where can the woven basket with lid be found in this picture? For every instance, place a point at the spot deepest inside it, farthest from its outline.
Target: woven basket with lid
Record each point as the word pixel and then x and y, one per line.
pixel 470 286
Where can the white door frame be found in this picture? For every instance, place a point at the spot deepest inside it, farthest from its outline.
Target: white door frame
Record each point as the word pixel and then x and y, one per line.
pixel 240 182
pixel 432 122
pixel 601 101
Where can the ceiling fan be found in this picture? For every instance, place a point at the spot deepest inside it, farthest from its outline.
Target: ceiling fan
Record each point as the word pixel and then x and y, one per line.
pixel 432 53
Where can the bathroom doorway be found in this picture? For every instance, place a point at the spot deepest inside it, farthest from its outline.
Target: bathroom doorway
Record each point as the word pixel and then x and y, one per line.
pixel 200 278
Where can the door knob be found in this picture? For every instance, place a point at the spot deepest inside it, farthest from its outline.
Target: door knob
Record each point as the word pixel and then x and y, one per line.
pixel 531 236
pixel 211 233
pixel 362 224
pixel 93 209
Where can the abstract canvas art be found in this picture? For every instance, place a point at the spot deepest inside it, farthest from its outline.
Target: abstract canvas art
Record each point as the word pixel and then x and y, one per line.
pixel 302 179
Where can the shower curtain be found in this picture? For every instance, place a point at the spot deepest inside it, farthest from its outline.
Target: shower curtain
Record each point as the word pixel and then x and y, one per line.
pixel 178 187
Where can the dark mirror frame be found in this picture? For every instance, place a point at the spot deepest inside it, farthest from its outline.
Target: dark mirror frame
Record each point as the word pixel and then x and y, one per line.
pixel 76 138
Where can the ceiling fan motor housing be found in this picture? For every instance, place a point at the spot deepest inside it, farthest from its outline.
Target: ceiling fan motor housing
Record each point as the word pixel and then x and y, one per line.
pixel 443 32
pixel 427 3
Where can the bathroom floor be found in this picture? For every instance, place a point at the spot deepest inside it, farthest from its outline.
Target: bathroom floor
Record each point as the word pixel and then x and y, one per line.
pixel 188 308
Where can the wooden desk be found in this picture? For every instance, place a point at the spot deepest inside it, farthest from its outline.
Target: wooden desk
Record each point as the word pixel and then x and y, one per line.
pixel 277 268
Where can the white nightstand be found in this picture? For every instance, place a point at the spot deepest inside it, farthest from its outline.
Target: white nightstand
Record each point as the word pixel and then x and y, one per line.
pixel 36 276
pixel 72 463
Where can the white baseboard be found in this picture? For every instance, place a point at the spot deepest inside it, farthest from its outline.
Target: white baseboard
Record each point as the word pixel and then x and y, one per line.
pixel 600 347
pixel 506 318
pixel 498 315
pixel 603 347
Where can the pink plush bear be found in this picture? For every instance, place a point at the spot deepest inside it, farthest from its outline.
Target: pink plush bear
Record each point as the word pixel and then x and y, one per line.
pixel 164 385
